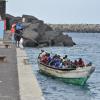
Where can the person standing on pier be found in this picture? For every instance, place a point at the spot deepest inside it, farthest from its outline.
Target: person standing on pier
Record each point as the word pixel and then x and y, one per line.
pixel 13 33
pixel 18 33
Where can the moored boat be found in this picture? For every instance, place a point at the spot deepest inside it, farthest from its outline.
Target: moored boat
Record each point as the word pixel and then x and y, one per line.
pixel 77 76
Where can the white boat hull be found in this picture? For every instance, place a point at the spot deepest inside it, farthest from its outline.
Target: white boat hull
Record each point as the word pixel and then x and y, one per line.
pixel 80 74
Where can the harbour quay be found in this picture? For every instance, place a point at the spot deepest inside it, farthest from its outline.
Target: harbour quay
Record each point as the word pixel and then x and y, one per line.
pixel 17 80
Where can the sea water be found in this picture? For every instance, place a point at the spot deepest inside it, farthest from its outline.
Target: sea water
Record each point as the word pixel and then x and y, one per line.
pixel 87 47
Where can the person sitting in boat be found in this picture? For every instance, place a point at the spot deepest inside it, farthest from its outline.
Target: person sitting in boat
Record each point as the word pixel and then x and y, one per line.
pixel 65 58
pixel 89 64
pixel 52 62
pixel 44 59
pixel 76 63
pixel 81 63
pixel 68 63
pixel 73 65
pixel 43 53
pixel 57 61
pixel 64 61
pixel 49 58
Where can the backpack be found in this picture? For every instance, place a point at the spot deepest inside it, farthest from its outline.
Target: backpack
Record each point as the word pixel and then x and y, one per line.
pixel 19 26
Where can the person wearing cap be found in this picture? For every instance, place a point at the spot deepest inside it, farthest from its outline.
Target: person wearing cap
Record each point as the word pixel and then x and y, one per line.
pixel 81 62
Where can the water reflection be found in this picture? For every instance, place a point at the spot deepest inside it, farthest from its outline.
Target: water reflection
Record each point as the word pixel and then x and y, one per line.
pixel 61 91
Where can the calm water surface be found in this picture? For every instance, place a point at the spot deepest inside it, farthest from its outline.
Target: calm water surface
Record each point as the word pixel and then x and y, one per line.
pixel 88 47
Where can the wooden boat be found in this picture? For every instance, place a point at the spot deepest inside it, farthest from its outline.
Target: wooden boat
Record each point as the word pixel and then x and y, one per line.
pixel 76 76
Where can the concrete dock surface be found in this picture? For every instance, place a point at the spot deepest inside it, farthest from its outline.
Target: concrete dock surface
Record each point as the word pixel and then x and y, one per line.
pixel 17 80
pixel 9 84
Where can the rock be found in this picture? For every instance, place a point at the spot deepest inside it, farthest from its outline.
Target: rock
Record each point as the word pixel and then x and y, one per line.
pixel 84 28
pixel 30 43
pixel 36 28
pixel 67 41
pixel 56 38
pixel 29 18
pixel 37 33
pixel 30 34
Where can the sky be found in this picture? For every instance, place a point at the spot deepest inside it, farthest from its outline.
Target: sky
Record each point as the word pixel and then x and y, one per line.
pixel 57 11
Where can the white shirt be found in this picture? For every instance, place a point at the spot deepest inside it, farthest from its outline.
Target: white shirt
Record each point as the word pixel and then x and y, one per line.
pixel 42 54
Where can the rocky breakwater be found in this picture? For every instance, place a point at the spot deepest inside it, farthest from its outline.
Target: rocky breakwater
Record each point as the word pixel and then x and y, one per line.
pixel 84 28
pixel 37 33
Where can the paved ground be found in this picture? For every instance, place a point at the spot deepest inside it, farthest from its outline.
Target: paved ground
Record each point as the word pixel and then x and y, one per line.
pixel 7 36
pixel 9 85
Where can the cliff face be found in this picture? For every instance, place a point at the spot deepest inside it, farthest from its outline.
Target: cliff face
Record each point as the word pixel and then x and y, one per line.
pixel 77 27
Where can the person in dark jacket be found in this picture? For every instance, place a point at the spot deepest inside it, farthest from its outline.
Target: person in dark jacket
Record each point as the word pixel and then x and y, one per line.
pixel 81 63
pixel 17 37
pixel 18 33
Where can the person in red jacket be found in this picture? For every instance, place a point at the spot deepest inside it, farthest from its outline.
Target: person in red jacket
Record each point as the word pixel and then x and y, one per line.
pixel 44 59
pixel 13 32
pixel 76 63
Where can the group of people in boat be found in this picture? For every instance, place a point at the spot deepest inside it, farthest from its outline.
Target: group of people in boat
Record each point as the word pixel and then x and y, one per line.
pixel 58 61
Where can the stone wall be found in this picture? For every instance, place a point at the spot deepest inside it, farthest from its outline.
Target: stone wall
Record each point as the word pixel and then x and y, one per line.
pixel 93 28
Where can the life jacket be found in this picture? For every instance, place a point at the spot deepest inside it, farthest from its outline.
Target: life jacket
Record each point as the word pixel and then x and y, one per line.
pixel 81 63
pixel 12 30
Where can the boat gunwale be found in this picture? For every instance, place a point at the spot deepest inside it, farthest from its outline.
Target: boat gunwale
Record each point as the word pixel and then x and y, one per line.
pixel 61 69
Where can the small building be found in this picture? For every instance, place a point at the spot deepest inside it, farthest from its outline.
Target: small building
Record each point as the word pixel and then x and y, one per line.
pixel 2 17
pixel 3 9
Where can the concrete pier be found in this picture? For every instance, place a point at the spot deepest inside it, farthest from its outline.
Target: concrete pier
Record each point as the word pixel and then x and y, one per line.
pixel 17 80
pixel 28 85
pixel 9 85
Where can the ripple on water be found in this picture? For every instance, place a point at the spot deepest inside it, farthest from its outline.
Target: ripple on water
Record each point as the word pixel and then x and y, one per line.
pixel 88 48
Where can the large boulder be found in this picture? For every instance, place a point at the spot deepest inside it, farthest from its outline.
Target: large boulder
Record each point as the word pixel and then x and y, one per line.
pixel 36 29
pixel 57 38
pixel 37 33
pixel 30 34
pixel 38 25
pixel 29 18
